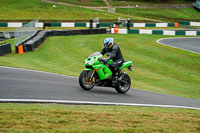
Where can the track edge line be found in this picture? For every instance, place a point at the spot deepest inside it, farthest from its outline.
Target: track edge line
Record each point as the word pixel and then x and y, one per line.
pixel 91 103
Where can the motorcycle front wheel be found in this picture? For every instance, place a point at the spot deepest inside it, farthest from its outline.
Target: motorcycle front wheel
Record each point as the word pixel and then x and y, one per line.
pixel 124 84
pixel 87 83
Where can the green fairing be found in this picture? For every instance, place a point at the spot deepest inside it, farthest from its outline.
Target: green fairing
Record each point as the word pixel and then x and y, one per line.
pixel 126 64
pixel 110 62
pixel 92 63
pixel 104 72
pixel 87 69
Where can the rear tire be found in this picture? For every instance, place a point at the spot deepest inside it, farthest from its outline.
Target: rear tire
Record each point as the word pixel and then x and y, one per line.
pixel 125 86
pixel 84 82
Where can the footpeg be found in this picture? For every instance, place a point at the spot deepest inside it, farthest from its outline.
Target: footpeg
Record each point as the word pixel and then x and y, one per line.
pixel 129 69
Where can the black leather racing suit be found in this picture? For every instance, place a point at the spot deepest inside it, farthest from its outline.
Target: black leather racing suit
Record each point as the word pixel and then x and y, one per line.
pixel 115 54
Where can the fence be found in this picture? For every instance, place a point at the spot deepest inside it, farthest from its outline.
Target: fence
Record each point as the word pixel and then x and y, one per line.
pixel 101 24
pixel 196 5
pixel 23 33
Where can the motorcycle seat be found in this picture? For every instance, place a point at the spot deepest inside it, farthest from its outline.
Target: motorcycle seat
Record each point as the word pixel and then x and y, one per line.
pixel 126 61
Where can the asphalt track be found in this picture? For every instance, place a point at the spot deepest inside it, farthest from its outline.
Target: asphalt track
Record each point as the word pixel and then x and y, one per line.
pixel 20 85
pixel 191 44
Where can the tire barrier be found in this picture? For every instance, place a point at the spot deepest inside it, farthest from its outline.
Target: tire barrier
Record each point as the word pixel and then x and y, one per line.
pixel 88 31
pixel 5 49
pixel 25 41
pixel 35 41
pixel 41 36
pixel 6 35
pixel 157 32
pixel 59 33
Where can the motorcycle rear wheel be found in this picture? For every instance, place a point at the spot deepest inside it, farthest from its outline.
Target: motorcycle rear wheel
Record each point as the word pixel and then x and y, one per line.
pixel 85 83
pixel 125 86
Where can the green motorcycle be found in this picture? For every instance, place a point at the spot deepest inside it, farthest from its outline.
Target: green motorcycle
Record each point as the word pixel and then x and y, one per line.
pixel 101 73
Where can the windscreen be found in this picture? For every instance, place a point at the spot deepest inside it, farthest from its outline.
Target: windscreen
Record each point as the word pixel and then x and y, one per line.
pixel 95 54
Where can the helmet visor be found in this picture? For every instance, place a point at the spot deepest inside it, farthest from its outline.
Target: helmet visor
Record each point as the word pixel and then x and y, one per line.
pixel 105 45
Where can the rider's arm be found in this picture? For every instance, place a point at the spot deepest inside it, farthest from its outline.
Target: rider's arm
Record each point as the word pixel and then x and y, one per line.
pixel 114 52
pixel 103 51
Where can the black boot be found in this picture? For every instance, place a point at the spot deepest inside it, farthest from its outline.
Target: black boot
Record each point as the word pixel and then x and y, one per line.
pixel 118 70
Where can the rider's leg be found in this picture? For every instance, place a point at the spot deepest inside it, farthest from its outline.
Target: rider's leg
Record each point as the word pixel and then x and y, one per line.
pixel 117 65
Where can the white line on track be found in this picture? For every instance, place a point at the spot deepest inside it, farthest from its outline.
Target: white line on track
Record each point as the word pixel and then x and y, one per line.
pixel 158 41
pixel 90 103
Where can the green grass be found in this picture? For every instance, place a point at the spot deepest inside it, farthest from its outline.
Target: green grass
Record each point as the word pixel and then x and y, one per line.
pixel 27 118
pixel 157 68
pixel 84 2
pixel 29 10
pixel 23 10
pixel 163 14
pixel 146 2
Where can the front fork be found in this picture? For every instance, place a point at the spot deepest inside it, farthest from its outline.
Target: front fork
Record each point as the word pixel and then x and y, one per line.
pixel 90 75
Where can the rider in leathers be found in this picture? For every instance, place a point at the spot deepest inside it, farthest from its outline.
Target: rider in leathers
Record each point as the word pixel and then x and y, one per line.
pixel 113 52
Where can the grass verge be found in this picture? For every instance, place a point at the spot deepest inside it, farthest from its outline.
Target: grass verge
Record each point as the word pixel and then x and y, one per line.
pixel 23 10
pixel 147 2
pixel 163 14
pixel 76 118
pixel 157 68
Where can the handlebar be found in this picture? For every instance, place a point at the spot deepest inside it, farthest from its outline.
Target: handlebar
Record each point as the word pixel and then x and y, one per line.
pixel 103 61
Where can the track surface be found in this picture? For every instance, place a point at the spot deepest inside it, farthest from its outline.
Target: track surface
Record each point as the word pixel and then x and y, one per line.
pixel 189 44
pixel 27 84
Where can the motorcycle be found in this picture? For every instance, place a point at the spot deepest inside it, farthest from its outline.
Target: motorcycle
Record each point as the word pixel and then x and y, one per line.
pixel 101 73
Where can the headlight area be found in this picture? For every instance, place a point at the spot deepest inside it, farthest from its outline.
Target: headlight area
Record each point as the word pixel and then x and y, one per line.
pixel 91 62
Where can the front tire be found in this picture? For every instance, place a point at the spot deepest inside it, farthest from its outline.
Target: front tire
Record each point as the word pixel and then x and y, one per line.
pixel 85 82
pixel 123 85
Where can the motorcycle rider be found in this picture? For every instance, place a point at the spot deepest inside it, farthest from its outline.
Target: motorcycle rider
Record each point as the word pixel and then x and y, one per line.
pixel 113 52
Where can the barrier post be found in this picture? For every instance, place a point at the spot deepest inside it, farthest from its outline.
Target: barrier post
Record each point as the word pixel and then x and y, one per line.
pixel 176 24
pixel 116 29
pixel 128 24
pixel 94 21
pixel 97 26
pixel 91 23
pixel 20 49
